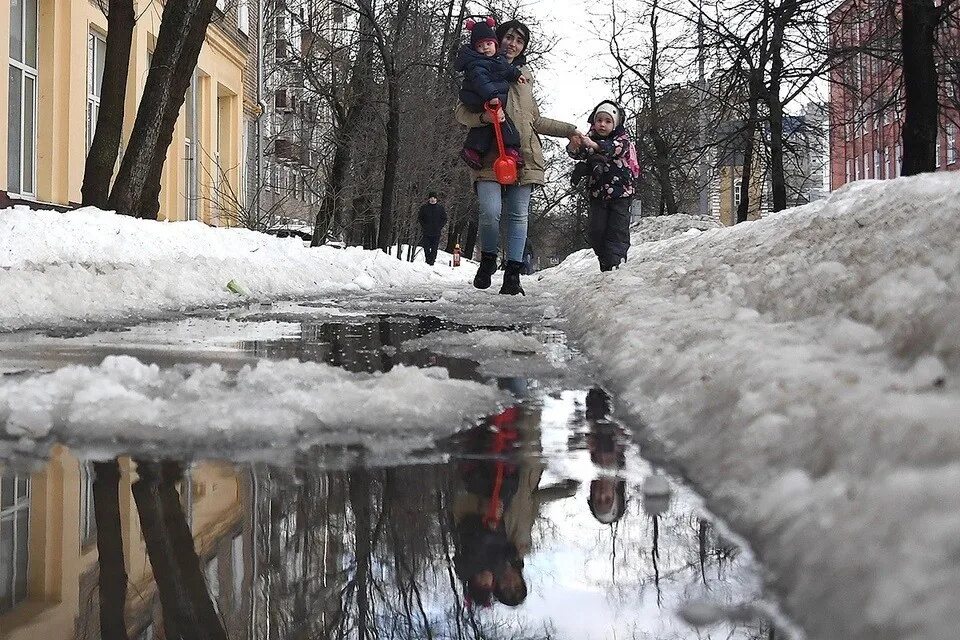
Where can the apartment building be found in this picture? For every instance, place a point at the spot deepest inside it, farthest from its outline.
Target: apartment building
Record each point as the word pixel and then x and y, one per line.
pixel 866 103
pixel 55 65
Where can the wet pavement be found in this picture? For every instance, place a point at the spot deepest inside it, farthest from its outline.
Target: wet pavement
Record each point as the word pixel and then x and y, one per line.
pixel 542 520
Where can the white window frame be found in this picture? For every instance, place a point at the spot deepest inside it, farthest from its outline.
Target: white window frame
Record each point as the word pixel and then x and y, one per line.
pixel 13 514
pixel 887 169
pixel 243 16
pixel 951 143
pixel 856 174
pixel 94 91
pixel 876 164
pixel 898 160
pixel 849 172
pixel 25 71
pixel 866 165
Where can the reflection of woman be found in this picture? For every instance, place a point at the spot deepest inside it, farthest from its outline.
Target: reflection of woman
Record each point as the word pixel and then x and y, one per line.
pixel 605 441
pixel 493 518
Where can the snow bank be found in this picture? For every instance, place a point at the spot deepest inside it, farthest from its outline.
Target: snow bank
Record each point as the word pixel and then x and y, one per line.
pixel 278 404
pixel 95 265
pixel 804 371
pixel 655 228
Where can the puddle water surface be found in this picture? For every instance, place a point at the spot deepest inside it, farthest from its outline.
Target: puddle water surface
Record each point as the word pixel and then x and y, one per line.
pixel 541 521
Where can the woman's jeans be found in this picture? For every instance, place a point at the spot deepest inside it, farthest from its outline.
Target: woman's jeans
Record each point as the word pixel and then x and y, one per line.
pixel 514 201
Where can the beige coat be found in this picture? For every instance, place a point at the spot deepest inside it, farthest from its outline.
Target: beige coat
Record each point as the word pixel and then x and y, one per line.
pixel 522 109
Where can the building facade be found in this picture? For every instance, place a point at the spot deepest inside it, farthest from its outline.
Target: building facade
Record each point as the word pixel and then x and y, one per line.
pixel 50 104
pixel 48 549
pixel 866 101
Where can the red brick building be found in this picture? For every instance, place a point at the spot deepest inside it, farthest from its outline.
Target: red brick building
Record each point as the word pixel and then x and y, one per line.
pixel 866 101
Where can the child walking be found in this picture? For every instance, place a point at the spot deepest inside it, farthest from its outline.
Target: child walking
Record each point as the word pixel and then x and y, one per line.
pixel 486 76
pixel 610 161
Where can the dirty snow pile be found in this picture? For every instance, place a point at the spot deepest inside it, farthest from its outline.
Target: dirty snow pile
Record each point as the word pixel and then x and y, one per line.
pixel 653 228
pixel 282 404
pixel 804 369
pixel 95 265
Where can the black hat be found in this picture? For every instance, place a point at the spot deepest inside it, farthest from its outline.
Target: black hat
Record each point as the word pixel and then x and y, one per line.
pixel 432 194
pixel 519 26
pixel 481 31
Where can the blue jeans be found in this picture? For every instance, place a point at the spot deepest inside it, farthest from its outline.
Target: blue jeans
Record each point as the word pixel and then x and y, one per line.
pixel 514 200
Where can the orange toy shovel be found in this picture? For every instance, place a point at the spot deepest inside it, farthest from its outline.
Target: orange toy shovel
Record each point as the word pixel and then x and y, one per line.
pixel 504 167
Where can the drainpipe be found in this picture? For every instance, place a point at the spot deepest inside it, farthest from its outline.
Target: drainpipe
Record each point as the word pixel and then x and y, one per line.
pixel 259 182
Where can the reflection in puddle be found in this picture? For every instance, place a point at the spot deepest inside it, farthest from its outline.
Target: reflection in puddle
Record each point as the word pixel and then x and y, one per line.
pixel 543 521
pixel 535 527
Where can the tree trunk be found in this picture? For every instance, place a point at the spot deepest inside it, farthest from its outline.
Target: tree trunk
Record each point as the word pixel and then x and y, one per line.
pixel 921 124
pixel 756 90
pixel 385 231
pixel 187 606
pixel 332 203
pixel 105 146
pixel 113 574
pixel 183 28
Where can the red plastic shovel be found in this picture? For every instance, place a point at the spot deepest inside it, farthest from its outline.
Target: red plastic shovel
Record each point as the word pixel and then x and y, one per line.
pixel 504 167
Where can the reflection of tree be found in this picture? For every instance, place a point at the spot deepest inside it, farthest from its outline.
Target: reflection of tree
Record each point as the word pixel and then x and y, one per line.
pixel 188 611
pixel 112 578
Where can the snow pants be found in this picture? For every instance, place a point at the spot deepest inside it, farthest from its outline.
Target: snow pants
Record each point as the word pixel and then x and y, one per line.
pixel 609 231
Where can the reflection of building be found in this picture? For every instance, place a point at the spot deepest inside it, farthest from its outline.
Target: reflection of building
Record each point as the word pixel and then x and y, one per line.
pixel 866 103
pixel 48 552
pixel 49 107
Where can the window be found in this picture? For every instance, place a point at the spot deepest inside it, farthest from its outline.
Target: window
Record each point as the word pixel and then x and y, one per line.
pixel 937 151
pixel 14 539
pixel 236 561
pixel 951 143
pixel 88 518
pixel 189 160
pixel 96 50
pixel 243 16
pixel 898 160
pixel 866 166
pixel 876 164
pixel 857 169
pixel 22 95
pixel 888 170
pixel 849 173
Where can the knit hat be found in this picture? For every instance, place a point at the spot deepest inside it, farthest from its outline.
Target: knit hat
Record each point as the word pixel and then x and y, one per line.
pixel 520 27
pixel 611 110
pixel 432 194
pixel 482 31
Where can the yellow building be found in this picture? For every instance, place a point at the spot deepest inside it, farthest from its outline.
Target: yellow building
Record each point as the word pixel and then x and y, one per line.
pixel 55 64
pixel 727 183
pixel 48 551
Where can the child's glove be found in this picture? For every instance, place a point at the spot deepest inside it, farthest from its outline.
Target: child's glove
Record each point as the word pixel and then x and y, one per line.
pixel 580 171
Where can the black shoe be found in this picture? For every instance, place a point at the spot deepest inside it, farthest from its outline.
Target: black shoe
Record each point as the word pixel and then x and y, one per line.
pixel 488 266
pixel 511 279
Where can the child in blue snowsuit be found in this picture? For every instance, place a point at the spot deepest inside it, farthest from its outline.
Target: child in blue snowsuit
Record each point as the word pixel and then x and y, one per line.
pixel 486 76
pixel 607 154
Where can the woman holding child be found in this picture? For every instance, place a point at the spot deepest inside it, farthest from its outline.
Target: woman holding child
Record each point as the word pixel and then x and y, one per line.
pixel 513 200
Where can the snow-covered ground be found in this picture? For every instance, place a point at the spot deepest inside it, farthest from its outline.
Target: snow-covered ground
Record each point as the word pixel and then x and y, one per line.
pixel 803 371
pixel 95 265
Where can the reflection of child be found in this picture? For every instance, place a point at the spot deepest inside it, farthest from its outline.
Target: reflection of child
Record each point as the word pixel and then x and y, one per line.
pixel 611 160
pixel 607 500
pixel 486 77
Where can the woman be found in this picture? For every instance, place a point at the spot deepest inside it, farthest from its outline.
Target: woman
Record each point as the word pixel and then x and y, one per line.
pixel 513 200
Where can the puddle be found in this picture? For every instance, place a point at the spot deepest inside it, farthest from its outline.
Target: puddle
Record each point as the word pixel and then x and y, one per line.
pixel 541 521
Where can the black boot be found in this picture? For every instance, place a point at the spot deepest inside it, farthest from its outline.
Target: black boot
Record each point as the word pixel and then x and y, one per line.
pixel 511 279
pixel 488 266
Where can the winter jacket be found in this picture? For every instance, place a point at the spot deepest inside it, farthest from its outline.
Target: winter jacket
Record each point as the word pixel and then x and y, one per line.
pixel 483 78
pixel 521 107
pixel 432 218
pixel 610 177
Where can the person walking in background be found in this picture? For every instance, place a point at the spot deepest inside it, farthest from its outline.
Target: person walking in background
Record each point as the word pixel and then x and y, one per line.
pixel 609 161
pixel 432 218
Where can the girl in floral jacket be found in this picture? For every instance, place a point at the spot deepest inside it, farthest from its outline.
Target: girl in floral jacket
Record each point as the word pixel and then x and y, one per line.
pixel 610 160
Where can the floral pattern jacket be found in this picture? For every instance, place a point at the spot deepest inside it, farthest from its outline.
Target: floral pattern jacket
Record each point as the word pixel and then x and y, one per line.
pixel 610 176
